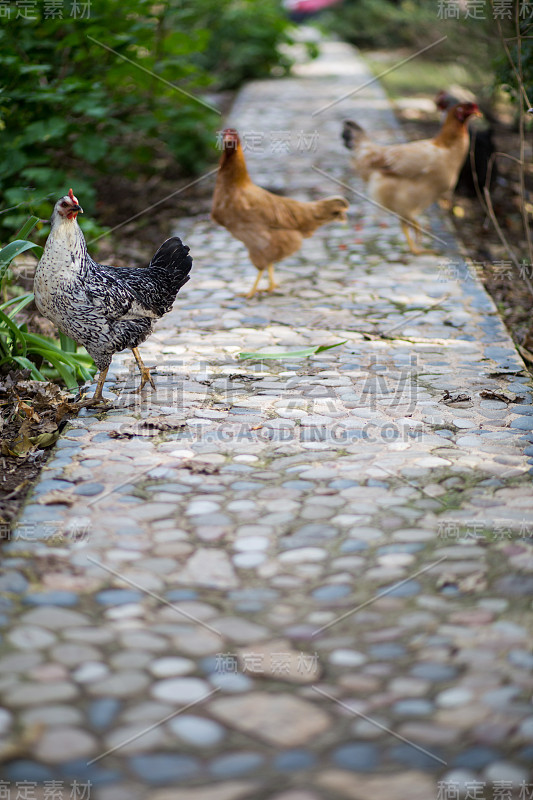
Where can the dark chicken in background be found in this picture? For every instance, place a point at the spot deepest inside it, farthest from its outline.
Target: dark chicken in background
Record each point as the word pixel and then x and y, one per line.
pixel 407 178
pixel 271 227
pixel 481 147
pixel 106 309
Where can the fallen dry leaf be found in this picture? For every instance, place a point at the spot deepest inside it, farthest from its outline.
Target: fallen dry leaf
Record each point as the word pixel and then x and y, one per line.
pixel 501 396
pixel 23 746
pixel 57 497
pixel 129 431
pixel 456 400
pixel 526 354
pixel 169 423
pixel 200 467
pixel 476 582
pixel 152 426
pixel 37 409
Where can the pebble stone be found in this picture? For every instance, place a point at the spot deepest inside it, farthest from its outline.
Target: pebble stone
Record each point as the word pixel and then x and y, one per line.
pixel 196 731
pixel 165 667
pixel 312 552
pixel 65 744
pixel 180 690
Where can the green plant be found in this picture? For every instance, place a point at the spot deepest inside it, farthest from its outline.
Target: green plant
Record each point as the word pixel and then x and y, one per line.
pixel 383 23
pixel 45 359
pixel 120 91
pixel 246 40
pixel 69 106
pixel 415 25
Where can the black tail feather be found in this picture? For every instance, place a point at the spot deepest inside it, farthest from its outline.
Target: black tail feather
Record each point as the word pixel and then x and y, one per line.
pixel 174 260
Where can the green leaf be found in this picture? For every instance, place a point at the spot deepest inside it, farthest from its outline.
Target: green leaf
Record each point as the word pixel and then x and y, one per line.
pixel 65 370
pixel 68 345
pixel 309 351
pixel 42 130
pixel 28 226
pixel 23 301
pixel 11 251
pixel 41 341
pixel 90 147
pixel 25 363
pixel 44 440
pixel 15 332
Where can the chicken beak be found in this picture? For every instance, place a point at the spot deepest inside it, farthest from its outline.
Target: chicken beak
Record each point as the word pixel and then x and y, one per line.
pixel 77 209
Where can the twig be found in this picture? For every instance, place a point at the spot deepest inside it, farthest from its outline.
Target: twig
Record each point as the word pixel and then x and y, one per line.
pixel 518 72
pixel 521 172
pixel 521 87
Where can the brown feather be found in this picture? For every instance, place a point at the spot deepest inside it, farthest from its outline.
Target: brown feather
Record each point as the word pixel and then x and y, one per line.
pixel 271 227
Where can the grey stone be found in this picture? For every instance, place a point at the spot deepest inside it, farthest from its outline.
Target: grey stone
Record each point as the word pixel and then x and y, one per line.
pixel 197 731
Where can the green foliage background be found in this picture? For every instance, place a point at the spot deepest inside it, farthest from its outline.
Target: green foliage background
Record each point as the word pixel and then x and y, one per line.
pixel 72 112
pixel 473 38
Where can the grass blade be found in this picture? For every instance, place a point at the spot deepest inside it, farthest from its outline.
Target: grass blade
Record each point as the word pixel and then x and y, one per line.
pixel 28 226
pixel 15 332
pixel 68 345
pixel 11 251
pixel 22 303
pixel 309 351
pixel 65 370
pixel 25 363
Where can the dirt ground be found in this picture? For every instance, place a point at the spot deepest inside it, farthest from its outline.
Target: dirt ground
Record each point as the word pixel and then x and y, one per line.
pixel 135 242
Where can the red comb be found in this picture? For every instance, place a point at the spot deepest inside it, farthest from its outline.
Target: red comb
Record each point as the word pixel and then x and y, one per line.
pixel 71 195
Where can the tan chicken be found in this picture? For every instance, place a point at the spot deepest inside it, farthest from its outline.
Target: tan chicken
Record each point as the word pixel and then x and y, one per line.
pixel 271 227
pixel 407 178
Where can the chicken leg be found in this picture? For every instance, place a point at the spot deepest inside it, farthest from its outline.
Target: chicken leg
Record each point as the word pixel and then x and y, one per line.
pixel 272 283
pixel 97 398
pixel 145 372
pixel 415 249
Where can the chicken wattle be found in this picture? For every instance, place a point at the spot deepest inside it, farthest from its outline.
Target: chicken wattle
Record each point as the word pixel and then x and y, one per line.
pixel 106 309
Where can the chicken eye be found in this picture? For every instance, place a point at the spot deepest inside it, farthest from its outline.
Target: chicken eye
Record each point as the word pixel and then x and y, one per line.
pixel 64 204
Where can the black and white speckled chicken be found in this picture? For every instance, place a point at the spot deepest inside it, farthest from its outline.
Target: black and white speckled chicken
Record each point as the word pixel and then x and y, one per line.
pixel 106 309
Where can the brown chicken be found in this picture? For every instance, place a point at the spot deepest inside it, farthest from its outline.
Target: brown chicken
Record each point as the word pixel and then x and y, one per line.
pixel 271 227
pixel 407 178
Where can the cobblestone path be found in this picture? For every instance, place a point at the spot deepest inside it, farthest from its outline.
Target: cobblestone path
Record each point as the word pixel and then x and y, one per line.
pixel 295 579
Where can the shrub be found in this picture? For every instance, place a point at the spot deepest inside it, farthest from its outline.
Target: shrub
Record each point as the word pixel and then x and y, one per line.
pixel 74 106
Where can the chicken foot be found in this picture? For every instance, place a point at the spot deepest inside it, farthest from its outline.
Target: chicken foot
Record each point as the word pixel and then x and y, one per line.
pixel 97 398
pixel 415 248
pixel 145 372
pixel 271 283
pixel 254 288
